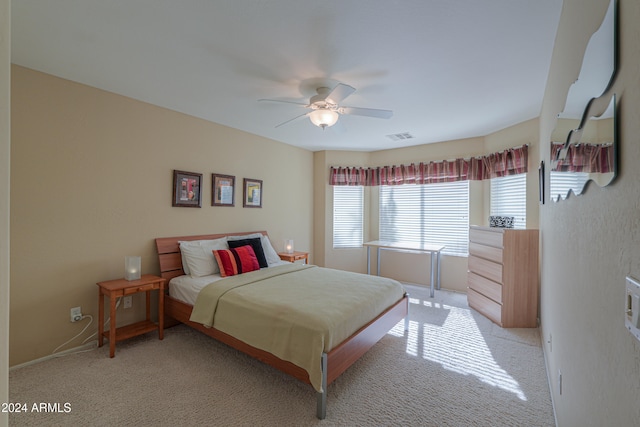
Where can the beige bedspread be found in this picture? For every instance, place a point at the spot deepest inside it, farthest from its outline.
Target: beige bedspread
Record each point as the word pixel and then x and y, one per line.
pixel 295 312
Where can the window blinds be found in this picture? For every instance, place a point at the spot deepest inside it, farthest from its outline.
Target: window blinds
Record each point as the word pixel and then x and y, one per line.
pixel 348 214
pixel 431 213
pixel 509 198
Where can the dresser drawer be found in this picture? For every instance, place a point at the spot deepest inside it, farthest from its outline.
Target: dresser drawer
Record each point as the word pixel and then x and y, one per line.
pixel 484 305
pixel 486 237
pixel 486 287
pixel 485 268
pixel 486 252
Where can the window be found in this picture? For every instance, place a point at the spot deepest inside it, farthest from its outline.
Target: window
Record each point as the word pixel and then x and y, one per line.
pixel 348 213
pixel 562 182
pixel 509 198
pixel 427 214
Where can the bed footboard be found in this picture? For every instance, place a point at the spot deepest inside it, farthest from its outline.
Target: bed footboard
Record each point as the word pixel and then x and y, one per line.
pixel 346 354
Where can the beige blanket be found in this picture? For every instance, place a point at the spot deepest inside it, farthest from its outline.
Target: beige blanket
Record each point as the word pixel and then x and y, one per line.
pixel 295 312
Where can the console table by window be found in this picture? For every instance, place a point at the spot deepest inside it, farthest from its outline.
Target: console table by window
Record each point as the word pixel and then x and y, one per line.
pixel 434 252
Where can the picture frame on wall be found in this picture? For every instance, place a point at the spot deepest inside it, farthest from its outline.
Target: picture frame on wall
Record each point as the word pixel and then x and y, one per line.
pixel 222 190
pixel 187 189
pixel 252 193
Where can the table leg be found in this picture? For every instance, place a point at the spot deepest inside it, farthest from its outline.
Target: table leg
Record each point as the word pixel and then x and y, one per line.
pixel 431 280
pixel 112 326
pixel 148 296
pixel 378 266
pixel 161 313
pixel 100 317
pixel 438 283
pixel 368 259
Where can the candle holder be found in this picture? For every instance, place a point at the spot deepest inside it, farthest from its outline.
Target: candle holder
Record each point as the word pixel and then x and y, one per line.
pixel 132 267
pixel 288 246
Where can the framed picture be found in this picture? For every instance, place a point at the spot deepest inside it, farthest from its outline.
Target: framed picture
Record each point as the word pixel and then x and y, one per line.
pixel 187 189
pixel 252 193
pixel 222 190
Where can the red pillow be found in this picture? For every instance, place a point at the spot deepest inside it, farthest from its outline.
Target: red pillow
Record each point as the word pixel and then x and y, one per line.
pixel 236 260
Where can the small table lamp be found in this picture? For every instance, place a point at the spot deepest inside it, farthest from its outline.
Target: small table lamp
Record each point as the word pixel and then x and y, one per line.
pixel 132 267
pixel 288 246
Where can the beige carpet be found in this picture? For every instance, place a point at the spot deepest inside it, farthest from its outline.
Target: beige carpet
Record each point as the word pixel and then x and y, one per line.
pixel 455 368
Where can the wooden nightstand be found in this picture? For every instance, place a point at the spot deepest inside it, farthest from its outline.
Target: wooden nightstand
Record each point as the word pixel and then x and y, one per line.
pixel 119 288
pixel 294 256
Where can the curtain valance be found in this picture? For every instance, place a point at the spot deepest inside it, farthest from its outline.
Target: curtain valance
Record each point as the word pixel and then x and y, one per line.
pixel 504 163
pixel 589 158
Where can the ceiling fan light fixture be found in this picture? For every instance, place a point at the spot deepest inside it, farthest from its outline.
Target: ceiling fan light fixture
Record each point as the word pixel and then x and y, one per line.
pixel 326 109
pixel 323 118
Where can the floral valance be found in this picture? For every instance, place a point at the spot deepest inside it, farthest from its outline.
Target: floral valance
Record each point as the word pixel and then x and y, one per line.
pixel 504 163
pixel 589 158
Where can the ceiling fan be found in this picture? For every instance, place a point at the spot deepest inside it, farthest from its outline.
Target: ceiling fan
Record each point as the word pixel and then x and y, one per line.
pixel 326 109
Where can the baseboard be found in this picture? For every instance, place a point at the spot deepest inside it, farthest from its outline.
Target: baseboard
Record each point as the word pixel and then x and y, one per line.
pixel 85 347
pixel 427 287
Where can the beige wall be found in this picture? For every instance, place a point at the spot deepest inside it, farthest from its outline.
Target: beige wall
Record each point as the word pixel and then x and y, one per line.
pixel 5 167
pixel 414 268
pixel 343 259
pixel 91 176
pixel 590 243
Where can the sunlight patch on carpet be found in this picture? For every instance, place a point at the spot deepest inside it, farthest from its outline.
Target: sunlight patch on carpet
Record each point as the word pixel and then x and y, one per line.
pixel 457 344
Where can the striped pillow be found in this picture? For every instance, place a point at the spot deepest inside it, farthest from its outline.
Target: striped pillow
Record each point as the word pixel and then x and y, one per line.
pixel 236 260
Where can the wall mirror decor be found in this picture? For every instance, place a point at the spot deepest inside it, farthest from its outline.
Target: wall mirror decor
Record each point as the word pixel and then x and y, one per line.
pixel 584 143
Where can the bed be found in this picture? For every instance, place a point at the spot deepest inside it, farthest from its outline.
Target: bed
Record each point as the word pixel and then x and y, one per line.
pixel 316 359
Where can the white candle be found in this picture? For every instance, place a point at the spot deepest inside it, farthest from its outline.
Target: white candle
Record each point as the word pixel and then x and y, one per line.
pixel 288 246
pixel 132 267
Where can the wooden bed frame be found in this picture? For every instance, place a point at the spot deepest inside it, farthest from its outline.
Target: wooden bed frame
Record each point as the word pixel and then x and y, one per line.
pixel 334 362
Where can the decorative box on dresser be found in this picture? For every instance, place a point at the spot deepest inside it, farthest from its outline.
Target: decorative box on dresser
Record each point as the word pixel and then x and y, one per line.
pixel 503 275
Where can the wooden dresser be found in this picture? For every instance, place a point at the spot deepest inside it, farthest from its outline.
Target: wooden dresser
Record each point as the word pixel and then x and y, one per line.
pixel 503 275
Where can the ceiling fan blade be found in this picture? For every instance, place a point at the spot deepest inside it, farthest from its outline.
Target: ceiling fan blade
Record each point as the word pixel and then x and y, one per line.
pixel 369 112
pixel 290 120
pixel 339 93
pixel 302 104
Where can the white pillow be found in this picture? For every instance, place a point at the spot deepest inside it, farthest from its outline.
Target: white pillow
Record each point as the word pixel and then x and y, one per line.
pixel 199 258
pixel 183 244
pixel 269 253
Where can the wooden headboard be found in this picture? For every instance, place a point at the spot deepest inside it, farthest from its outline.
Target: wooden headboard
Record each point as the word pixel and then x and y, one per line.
pixel 169 251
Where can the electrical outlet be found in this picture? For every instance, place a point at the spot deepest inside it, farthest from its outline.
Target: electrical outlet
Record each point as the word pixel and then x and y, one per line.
pixel 127 301
pixel 75 314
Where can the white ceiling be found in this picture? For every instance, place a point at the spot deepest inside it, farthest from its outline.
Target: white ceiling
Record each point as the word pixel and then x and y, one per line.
pixel 448 69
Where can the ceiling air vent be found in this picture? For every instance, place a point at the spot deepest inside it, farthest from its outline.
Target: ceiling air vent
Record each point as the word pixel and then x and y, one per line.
pixel 400 136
